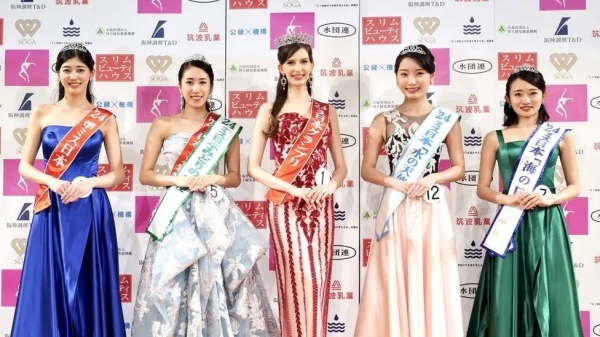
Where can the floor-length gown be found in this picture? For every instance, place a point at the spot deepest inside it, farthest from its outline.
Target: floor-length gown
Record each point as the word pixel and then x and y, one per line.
pixel 70 281
pixel 202 279
pixel 411 287
pixel 532 292
pixel 303 241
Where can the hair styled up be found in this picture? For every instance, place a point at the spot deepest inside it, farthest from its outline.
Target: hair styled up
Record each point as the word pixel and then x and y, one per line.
pixel 284 53
pixel 78 51
pixel 421 54
pixel 202 64
pixel 534 78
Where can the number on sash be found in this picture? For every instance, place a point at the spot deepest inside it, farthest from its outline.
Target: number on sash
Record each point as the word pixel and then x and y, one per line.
pixel 216 192
pixel 322 177
pixel 434 194
pixel 542 190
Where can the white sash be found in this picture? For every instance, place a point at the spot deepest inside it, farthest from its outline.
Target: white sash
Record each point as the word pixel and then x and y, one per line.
pixel 203 159
pixel 531 166
pixel 414 159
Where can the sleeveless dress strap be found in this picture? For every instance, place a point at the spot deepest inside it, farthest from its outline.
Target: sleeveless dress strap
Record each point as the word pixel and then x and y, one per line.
pixel 500 137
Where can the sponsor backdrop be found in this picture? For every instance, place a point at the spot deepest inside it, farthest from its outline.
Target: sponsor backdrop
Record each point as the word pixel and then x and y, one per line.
pixel 138 51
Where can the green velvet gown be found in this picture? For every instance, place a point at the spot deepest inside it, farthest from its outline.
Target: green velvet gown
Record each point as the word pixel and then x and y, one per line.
pixel 532 292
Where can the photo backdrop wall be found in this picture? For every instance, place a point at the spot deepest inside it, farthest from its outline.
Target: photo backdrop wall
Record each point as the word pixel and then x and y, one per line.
pixel 139 44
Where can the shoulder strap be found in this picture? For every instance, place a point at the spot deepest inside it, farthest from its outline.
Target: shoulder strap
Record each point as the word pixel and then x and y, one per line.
pixel 500 137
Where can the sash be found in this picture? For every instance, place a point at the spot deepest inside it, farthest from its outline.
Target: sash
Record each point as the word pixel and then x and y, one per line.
pixel 66 151
pixel 525 177
pixel 413 161
pixel 301 151
pixel 201 154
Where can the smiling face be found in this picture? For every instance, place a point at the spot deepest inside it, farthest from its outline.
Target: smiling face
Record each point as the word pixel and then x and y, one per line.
pixel 297 67
pixel 412 79
pixel 195 87
pixel 75 76
pixel 525 98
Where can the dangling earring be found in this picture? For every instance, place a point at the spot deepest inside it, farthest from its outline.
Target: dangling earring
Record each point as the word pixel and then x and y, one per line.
pixel 283 81
pixel 310 80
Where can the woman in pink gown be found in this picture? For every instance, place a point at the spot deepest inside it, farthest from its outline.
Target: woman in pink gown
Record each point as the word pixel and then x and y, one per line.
pixel 412 287
pixel 301 221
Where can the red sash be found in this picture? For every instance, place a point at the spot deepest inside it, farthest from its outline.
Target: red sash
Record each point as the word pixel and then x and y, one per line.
pixel 301 151
pixel 193 141
pixel 66 151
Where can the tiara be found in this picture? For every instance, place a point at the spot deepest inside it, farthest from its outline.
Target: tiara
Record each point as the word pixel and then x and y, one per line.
pixel 74 46
pixel 197 57
pixel 293 37
pixel 412 49
pixel 525 67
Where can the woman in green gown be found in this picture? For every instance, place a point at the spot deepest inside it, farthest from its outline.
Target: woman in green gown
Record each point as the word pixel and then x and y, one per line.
pixel 532 291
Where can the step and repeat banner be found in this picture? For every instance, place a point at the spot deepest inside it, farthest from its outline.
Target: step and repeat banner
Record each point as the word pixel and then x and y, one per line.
pixel 139 45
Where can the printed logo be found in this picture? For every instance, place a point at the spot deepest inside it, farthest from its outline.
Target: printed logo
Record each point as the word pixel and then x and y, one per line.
pixel 382 30
pixel 472 66
pixel 567 103
pixel 242 4
pixel 18 245
pixel 27 67
pixel 472 28
pixel 338 214
pixel 561 5
pixel 336 326
pixel 576 213
pixel 26 102
pixel 215 104
pixel 341 252
pixel 595 102
pixel 366 250
pixel 336 29
pixel 507 62
pixel 71 30
pixel 474 252
pixel 27 27
pixel 595 215
pixel 10 287
pixel 286 23
pixel 159 6
pixel 468 290
pixel 159 64
pixel 159 30
pixel 563 62
pixel 563 28
pixel 14 183
pixel 347 140
pixel 125 288
pixel 245 104
pixel 20 134
pixel 156 101
pixel 473 140
pixel 25 212
pixel 256 211
pixel 144 208
pixel 337 102
pixel 470 179
pixel 115 67
pixel 442 65
pixel 426 26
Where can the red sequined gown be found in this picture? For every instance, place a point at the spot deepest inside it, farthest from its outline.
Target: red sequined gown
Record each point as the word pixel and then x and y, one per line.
pixel 303 241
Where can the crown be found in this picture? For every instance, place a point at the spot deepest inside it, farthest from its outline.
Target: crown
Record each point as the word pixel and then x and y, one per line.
pixel 525 67
pixel 413 48
pixel 74 46
pixel 197 57
pixel 293 37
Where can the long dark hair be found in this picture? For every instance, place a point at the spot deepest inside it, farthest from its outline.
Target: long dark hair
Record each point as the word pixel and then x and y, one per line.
pixel 537 80
pixel 427 61
pixel 283 54
pixel 198 64
pixel 83 55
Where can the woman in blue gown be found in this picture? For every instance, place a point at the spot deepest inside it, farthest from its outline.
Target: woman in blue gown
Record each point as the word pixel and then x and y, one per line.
pixel 70 281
